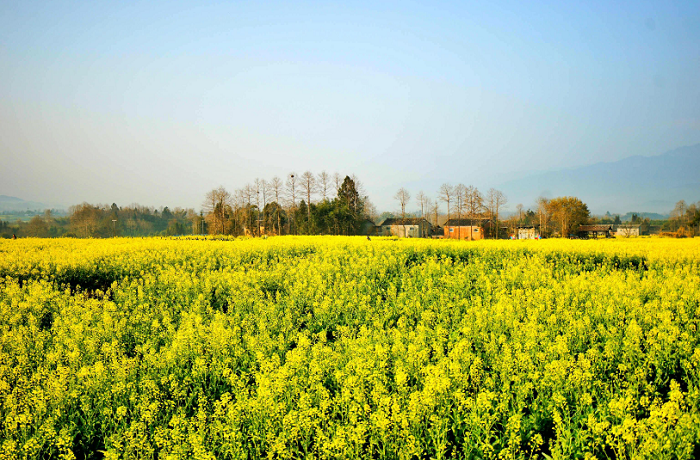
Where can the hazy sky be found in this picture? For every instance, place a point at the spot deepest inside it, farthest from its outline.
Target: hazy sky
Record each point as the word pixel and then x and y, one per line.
pixel 158 103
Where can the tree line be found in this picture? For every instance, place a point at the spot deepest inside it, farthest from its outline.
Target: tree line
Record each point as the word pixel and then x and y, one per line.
pixel 312 204
pixel 102 221
pixel 684 219
pixel 553 217
pixel 559 216
pixel 306 204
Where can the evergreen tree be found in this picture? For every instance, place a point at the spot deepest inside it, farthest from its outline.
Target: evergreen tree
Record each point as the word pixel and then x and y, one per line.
pixel 349 207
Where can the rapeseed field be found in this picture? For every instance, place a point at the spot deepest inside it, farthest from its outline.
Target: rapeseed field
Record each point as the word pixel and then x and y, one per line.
pixel 339 347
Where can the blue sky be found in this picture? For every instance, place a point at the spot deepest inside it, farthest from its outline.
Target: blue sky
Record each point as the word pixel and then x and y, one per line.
pixel 159 102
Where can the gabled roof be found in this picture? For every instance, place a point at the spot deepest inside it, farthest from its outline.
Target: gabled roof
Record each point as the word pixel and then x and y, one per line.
pixel 405 221
pixel 595 228
pixel 477 221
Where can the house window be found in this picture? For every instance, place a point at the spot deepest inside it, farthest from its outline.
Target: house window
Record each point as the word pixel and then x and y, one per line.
pixel 476 229
pixel 452 230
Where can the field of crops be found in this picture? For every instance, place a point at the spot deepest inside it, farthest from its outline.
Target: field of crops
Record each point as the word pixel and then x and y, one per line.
pixel 333 347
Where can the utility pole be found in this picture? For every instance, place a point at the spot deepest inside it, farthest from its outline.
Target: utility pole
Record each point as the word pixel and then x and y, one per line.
pixel 293 221
pixel 257 204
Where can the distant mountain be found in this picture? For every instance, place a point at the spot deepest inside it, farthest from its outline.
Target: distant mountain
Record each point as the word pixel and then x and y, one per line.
pixel 13 204
pixel 9 199
pixel 645 184
pixel 644 215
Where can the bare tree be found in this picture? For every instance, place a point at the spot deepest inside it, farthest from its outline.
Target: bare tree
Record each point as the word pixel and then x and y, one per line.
pixel 474 202
pixel 308 188
pixel 195 221
pixel 249 194
pixel 259 193
pixel 276 190
pixel 679 213
pixel 337 181
pixel 359 185
pixel 292 187
pixel 693 217
pixel 324 184
pixel 490 204
pixel 459 196
pixel 265 192
pixel 84 218
pixel 519 209
pixel 543 211
pixel 239 211
pixel 495 200
pixel 370 210
pixel 49 220
pixel 501 201
pixel 434 209
pixel 445 194
pixel 512 222
pixel 423 200
pixel 215 203
pixel 403 196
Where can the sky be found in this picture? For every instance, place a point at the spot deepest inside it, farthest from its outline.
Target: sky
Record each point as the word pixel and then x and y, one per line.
pixel 159 102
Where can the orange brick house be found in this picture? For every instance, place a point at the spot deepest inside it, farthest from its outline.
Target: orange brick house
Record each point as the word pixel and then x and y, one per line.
pixel 465 229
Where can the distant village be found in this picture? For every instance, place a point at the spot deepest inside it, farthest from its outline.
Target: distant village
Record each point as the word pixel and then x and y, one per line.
pixel 566 217
pixel 322 204
pixel 481 228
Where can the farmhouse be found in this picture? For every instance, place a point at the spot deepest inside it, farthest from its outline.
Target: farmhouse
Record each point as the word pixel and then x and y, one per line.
pixel 464 229
pixel 411 227
pixel 594 231
pixel 367 227
pixel 627 230
pixel 527 233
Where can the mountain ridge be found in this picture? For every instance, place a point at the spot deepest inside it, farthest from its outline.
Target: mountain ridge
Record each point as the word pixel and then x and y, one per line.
pixel 7 198
pixel 14 204
pixel 646 183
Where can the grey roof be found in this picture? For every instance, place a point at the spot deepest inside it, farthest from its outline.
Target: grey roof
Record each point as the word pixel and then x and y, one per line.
pixel 466 222
pixel 595 228
pixel 405 221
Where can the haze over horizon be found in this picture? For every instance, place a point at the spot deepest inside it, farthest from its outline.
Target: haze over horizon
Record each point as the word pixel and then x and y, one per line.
pixel 158 103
